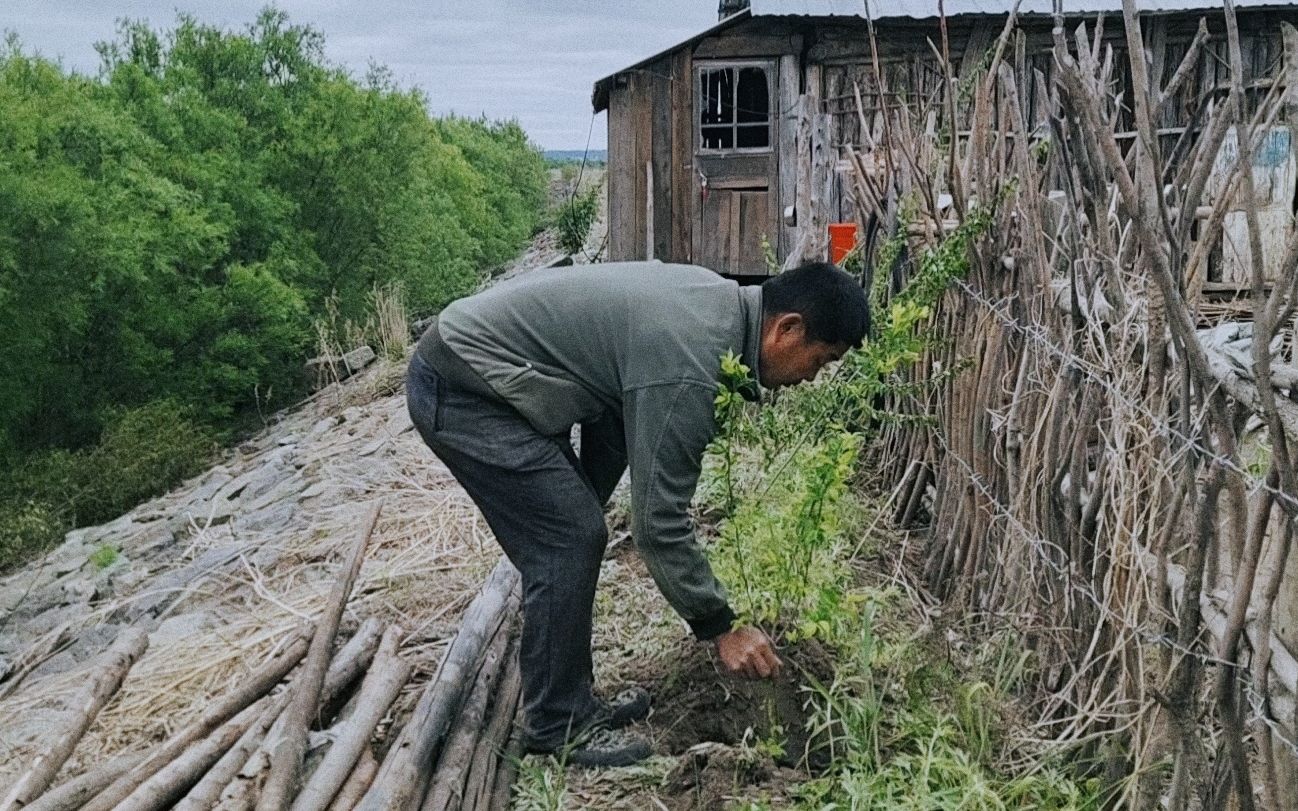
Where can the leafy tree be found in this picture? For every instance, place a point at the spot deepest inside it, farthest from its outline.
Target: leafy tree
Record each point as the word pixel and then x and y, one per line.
pixel 172 227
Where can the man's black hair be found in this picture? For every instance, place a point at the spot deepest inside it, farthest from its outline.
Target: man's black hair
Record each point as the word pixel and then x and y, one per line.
pixel 832 304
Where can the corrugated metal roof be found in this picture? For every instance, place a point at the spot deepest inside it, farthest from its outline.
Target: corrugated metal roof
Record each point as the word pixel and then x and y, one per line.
pixel 884 9
pixel 925 9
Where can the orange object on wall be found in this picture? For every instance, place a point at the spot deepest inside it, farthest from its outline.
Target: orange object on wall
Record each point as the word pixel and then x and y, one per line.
pixel 842 239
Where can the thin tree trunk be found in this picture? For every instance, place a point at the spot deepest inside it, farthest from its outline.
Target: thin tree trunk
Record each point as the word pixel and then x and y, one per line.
pixel 108 672
pixel 350 662
pixel 380 688
pixel 74 793
pixel 286 760
pixel 506 775
pixel 173 780
pixel 490 766
pixel 223 709
pixel 447 789
pixel 402 779
pixel 357 783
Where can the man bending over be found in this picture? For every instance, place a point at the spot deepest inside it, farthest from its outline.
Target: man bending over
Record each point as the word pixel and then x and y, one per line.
pixel 631 352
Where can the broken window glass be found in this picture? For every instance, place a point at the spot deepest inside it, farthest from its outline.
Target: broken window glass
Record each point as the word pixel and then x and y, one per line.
pixel 734 108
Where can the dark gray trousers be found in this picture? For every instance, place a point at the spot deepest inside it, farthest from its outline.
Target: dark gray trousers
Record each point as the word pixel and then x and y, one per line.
pixel 545 506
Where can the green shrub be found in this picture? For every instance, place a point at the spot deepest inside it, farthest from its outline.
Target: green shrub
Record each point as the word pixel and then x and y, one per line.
pixel 179 221
pixel 173 229
pixel 104 556
pixel 903 730
pixel 26 528
pixel 145 451
pixel 576 216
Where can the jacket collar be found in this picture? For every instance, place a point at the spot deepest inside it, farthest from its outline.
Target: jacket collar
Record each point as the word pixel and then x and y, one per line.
pixel 750 307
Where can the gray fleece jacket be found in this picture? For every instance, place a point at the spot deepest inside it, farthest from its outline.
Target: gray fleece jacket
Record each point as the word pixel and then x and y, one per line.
pixel 643 340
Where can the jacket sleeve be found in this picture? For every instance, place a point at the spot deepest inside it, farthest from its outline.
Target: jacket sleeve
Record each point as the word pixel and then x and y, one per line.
pixel 668 427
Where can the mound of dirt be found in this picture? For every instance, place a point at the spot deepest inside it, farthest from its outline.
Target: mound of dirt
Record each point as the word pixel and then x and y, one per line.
pixel 696 703
pixel 710 773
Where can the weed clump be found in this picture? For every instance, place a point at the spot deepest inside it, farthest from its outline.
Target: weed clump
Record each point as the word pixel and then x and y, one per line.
pixel 576 216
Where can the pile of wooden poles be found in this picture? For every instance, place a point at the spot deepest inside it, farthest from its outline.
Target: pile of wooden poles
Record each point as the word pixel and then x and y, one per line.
pixel 252 747
pixel 1081 447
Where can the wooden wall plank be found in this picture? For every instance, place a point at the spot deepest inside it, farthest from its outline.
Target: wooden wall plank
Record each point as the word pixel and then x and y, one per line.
pixel 660 97
pixel 740 46
pixel 642 122
pixel 620 177
pixel 824 156
pixel 684 186
pixel 789 81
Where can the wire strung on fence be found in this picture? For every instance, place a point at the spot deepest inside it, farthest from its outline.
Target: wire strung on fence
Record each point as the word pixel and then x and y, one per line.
pixel 1087 477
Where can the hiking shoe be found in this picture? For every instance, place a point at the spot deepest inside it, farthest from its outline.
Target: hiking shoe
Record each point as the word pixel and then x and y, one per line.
pixel 628 706
pixel 605 748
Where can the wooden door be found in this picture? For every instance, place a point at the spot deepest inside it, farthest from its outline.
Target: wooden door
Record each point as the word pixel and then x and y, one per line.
pixel 737 206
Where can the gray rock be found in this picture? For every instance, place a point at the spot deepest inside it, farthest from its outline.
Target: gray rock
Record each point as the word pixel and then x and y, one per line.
pixel 399 423
pixel 181 627
pixel 210 486
pixel 318 489
pixel 284 490
pixel 79 588
pixel 168 588
pixel 322 426
pixel 420 326
pixel 359 358
pixel 52 618
pixel 85 646
pixel 32 725
pixel 342 368
pixel 38 600
pixel 272 519
pixel 70 557
pixel 149 538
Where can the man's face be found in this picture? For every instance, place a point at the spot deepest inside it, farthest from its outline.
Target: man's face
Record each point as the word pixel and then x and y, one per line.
pixel 788 356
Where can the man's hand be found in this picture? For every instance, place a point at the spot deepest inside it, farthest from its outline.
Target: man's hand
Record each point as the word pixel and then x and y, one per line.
pixel 746 651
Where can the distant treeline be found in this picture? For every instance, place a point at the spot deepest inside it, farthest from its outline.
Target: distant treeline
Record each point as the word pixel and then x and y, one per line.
pixel 560 157
pixel 170 230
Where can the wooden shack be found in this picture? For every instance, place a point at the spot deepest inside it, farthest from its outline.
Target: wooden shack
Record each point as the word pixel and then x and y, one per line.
pixel 734 140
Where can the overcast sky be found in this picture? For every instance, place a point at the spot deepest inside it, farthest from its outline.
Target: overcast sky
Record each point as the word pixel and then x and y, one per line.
pixel 534 60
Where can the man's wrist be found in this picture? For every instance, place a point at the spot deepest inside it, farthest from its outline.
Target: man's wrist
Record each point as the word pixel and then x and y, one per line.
pixel 713 625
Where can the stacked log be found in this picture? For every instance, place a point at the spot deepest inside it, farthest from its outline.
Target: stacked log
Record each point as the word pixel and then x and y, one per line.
pixel 404 776
pixel 109 674
pixel 247 748
pixel 467 768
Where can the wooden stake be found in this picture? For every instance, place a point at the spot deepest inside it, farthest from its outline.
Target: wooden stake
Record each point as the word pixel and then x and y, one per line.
pixel 380 688
pixel 447 786
pixel 171 781
pixel 286 761
pixel 357 783
pixel 490 766
pixel 403 777
pixel 506 775
pixel 74 793
pixel 107 674
pixel 352 660
pixel 256 685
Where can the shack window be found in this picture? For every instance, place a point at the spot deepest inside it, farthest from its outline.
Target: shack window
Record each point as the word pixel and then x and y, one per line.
pixel 734 108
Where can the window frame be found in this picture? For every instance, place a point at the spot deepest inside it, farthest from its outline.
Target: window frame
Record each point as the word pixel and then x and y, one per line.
pixel 768 67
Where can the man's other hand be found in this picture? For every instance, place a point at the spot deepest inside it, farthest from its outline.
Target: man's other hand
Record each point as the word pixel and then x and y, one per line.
pixel 746 651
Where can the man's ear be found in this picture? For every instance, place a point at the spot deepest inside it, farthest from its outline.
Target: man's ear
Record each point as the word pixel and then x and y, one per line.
pixel 790 324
